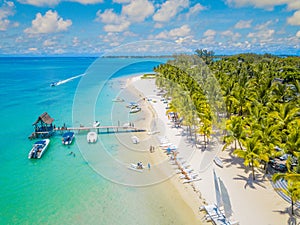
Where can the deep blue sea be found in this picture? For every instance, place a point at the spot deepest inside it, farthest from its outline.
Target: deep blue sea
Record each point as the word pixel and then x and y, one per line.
pixel 61 188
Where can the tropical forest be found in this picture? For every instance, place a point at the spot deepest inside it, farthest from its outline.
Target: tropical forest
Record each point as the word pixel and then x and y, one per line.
pixel 251 100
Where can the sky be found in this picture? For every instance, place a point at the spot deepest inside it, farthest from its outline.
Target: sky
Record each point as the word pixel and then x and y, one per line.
pixel 148 27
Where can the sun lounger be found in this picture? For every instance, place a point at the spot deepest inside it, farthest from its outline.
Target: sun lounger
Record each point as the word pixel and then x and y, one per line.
pixel 191 180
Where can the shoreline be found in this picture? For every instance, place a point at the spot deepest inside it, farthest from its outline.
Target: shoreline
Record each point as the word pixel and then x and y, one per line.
pixel 245 195
pixel 187 192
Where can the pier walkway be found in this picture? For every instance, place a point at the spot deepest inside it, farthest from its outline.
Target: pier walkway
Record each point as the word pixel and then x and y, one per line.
pixel 98 129
pixel 107 129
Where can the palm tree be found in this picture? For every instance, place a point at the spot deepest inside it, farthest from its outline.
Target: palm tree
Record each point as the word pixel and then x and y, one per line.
pixel 236 128
pixel 293 184
pixel 252 153
pixel 293 191
pixel 292 144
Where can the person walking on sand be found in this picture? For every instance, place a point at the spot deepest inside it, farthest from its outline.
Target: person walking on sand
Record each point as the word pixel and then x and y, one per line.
pixel 149 166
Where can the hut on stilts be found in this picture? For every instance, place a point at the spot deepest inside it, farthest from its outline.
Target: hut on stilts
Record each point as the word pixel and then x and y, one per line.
pixel 43 127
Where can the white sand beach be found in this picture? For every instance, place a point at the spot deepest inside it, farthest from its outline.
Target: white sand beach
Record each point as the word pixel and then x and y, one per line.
pixel 251 202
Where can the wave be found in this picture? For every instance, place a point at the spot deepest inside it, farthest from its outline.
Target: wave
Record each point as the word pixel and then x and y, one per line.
pixel 66 80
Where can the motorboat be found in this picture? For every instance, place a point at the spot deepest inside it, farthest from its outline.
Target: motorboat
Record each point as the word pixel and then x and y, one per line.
pixel 135 140
pixel 139 167
pixel 91 137
pixel 135 110
pixel 53 84
pixel 96 124
pixel 68 138
pixel 38 149
pixel 132 105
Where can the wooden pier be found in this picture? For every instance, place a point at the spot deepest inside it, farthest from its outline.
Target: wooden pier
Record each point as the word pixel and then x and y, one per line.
pixel 107 129
pixel 45 129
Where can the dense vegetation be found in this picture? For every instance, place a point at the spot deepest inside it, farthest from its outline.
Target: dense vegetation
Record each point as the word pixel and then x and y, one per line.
pixel 257 94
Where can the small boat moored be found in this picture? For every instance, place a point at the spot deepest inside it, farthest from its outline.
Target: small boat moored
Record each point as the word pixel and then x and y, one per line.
pixel 68 138
pixel 132 105
pixel 135 140
pixel 135 110
pixel 96 124
pixel 38 149
pixel 91 137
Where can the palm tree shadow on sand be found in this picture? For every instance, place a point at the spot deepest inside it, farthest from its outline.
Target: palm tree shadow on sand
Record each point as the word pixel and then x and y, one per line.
pixel 292 218
pixel 259 179
pixel 233 161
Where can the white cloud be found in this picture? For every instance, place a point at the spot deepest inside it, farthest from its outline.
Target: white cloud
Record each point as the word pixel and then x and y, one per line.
pixel 261 35
pixel 158 25
pixel 295 19
pixel 87 2
pixel 231 35
pixel 113 39
pixel 6 10
pixel 113 21
pixel 109 17
pixel 40 2
pixel 243 24
pixel 48 42
pixel 209 33
pixel 117 27
pixel 175 33
pixel 32 49
pixel 298 34
pixel 265 4
pixel 195 9
pixel 122 1
pixel 135 11
pixel 56 2
pixel 181 31
pixel 75 41
pixel 170 9
pixel 51 22
pixel 265 25
pixel 138 10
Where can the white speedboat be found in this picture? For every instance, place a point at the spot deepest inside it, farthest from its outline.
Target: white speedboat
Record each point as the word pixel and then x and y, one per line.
pixel 91 137
pixel 68 138
pixel 132 105
pixel 96 124
pixel 135 110
pixel 135 140
pixel 53 84
pixel 38 149
pixel 139 167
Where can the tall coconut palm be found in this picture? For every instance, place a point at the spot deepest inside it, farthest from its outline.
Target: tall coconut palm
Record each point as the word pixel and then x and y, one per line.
pixel 252 153
pixel 293 184
pixel 236 127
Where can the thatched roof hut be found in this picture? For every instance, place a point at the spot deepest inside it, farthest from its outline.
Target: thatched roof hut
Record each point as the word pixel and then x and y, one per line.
pixel 44 118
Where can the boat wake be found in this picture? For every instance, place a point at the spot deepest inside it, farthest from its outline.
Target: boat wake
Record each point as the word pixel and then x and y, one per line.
pixel 66 80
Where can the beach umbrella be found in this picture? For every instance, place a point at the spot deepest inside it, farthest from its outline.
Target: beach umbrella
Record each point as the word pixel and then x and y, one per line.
pixel 217 190
pixel 225 199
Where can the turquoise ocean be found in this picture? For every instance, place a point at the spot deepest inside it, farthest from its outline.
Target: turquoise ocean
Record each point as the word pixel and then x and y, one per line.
pixel 61 188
